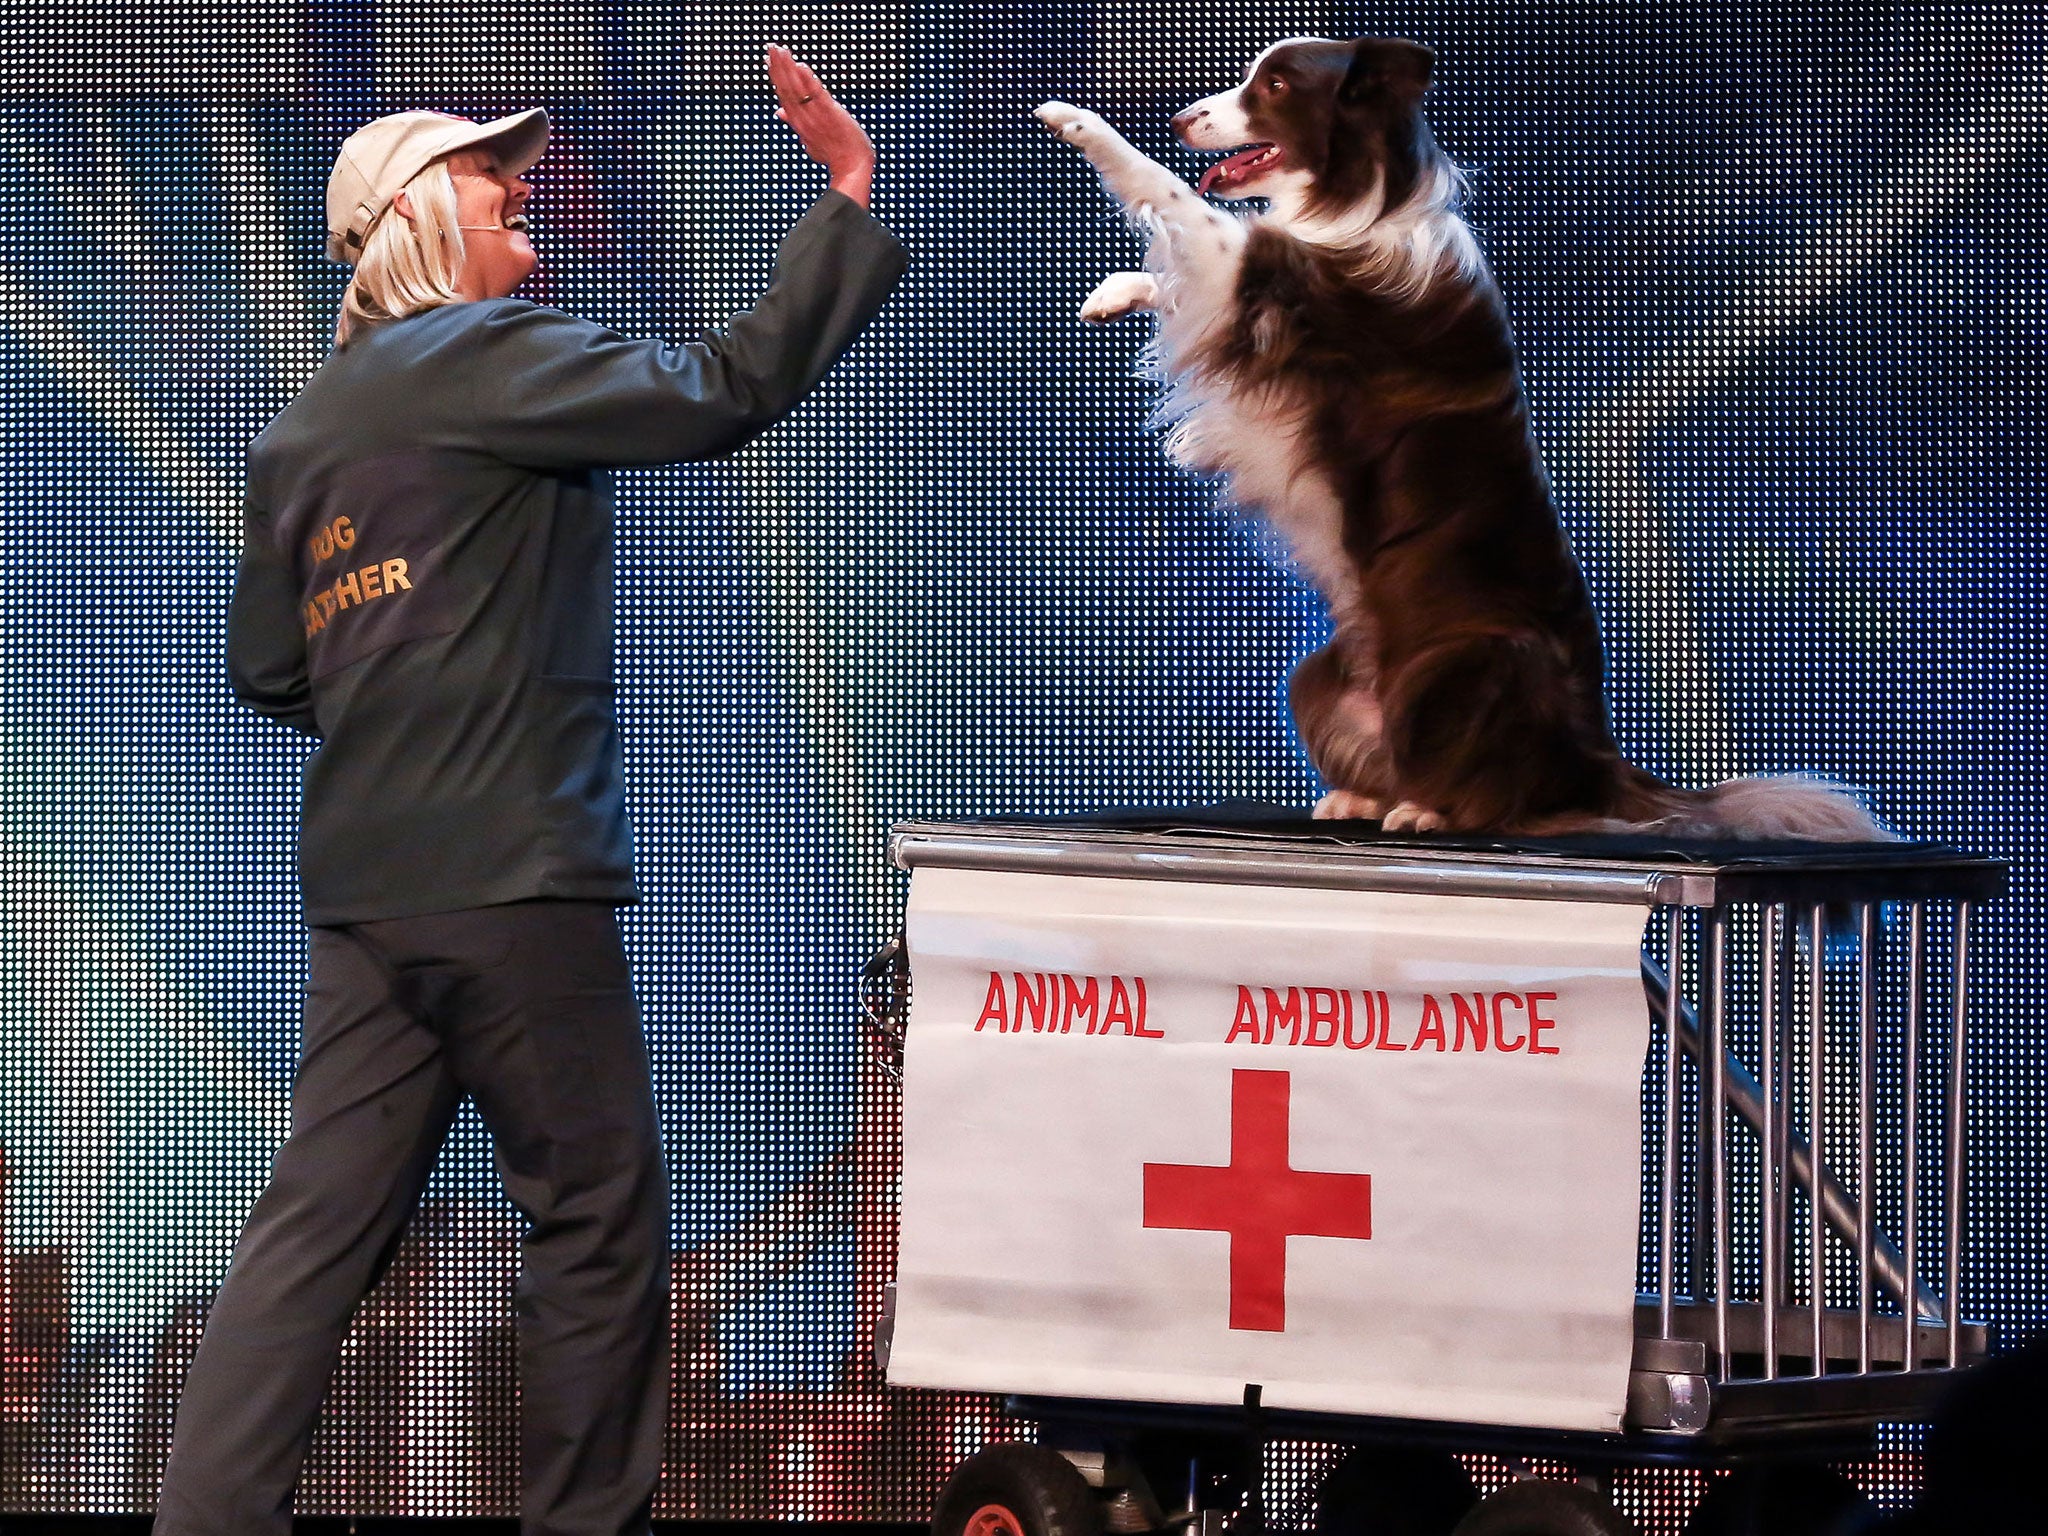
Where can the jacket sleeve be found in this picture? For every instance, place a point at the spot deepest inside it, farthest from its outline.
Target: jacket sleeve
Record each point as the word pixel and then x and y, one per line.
pixel 553 392
pixel 266 638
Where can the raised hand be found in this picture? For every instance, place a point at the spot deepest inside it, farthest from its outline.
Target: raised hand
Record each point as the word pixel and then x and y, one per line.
pixel 828 132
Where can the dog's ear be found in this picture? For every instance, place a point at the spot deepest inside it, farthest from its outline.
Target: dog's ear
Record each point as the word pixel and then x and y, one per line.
pixel 1386 64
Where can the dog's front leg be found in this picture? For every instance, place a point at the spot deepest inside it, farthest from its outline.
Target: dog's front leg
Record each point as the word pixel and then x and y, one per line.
pixel 1145 187
pixel 1195 248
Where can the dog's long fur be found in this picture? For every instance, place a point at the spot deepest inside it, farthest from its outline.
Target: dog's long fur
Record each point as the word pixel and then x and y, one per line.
pixel 1345 361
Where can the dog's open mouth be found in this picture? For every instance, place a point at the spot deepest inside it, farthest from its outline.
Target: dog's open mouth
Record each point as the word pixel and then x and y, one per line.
pixel 1240 167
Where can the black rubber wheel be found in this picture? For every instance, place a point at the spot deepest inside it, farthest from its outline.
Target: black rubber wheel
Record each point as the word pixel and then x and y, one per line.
pixel 1786 1499
pixel 1535 1507
pixel 1016 1490
pixel 1388 1490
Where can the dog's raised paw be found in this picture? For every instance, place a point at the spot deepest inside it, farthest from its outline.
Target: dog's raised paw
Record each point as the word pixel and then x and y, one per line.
pixel 1120 294
pixel 1071 123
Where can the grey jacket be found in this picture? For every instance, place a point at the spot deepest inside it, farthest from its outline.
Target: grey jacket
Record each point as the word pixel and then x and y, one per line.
pixel 426 577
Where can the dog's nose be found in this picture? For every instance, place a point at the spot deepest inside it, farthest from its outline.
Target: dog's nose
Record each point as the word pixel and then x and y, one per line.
pixel 1183 121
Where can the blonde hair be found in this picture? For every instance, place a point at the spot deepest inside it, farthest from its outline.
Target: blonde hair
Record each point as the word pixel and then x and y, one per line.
pixel 407 265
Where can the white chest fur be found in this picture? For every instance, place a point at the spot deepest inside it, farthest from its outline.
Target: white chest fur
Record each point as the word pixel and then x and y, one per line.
pixel 1256 442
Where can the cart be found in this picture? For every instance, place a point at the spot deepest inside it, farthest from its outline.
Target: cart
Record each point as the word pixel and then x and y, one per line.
pixel 1796 1235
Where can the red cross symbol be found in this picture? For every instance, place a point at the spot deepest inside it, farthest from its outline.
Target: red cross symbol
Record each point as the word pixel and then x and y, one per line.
pixel 1259 1200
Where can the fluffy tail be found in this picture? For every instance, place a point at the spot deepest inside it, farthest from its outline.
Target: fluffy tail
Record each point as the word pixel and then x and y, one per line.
pixel 1791 806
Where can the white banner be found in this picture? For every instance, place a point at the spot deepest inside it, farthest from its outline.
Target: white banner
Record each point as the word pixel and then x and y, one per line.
pixel 1378 1154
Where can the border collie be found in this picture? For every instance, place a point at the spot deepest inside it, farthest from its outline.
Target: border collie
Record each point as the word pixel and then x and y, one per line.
pixel 1344 362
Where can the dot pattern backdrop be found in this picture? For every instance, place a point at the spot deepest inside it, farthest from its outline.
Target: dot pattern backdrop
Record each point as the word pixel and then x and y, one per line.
pixel 1776 273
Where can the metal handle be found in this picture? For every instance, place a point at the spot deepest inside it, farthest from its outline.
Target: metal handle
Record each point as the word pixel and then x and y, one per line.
pixel 885 1004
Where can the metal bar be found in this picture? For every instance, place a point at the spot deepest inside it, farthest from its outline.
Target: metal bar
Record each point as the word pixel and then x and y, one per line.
pixel 1787 1013
pixel 1816 1114
pixel 1321 868
pixel 1770 1162
pixel 1866 1120
pixel 1916 984
pixel 1692 1324
pixel 1714 1105
pixel 1954 1170
pixel 1667 1197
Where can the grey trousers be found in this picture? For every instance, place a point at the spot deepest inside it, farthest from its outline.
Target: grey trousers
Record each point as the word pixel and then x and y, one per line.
pixel 528 1009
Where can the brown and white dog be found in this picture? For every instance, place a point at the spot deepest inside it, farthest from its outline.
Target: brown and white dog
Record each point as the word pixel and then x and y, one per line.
pixel 1344 361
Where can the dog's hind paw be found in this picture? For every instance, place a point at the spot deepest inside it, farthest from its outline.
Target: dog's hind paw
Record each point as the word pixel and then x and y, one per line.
pixel 1348 805
pixel 1120 294
pixel 1410 817
pixel 1073 124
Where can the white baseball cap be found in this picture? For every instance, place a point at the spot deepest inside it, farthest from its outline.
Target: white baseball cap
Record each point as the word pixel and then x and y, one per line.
pixel 379 158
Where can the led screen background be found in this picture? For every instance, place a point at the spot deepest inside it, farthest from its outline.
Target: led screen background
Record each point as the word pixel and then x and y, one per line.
pixel 1777 276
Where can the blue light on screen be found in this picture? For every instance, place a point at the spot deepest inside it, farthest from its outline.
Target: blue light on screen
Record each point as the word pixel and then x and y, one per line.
pixel 1776 274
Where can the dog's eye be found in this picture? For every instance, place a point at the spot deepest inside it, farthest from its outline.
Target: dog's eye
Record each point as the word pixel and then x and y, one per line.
pixel 1276 86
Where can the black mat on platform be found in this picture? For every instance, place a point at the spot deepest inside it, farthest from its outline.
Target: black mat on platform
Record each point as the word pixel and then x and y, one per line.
pixel 1261 819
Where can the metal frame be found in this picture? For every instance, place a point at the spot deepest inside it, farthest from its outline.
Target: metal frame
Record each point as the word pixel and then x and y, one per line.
pixel 1840 1296
pixel 1773 1022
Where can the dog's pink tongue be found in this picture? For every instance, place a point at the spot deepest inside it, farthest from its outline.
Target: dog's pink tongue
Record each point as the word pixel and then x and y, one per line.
pixel 1230 167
